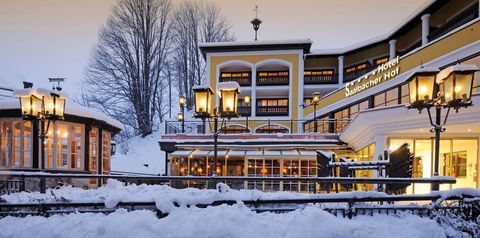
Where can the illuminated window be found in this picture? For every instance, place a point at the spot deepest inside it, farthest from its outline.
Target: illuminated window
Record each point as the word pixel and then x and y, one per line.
pixel 15 143
pixel 106 151
pixel 93 148
pixel 380 60
pixel 455 164
pixel 318 72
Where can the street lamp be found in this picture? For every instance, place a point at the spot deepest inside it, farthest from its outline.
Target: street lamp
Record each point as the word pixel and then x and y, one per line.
pixel 246 100
pixel 181 116
pixel 228 92
pixel 315 100
pixel 449 88
pixel 40 106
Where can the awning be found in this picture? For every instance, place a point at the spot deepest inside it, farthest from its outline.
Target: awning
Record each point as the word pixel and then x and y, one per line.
pixel 280 154
pixel 181 153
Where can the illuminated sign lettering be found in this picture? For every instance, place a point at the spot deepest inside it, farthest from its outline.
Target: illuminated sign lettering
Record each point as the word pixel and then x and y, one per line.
pixel 382 73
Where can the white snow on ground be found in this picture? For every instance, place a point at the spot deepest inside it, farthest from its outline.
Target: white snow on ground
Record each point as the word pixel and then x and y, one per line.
pixel 143 155
pixel 222 221
pixel 163 195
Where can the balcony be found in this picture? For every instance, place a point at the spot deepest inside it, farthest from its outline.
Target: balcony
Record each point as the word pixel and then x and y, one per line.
pixel 320 79
pixel 272 110
pixel 462 18
pixel 270 126
pixel 349 76
pixel 271 78
pixel 242 78
pixel 244 110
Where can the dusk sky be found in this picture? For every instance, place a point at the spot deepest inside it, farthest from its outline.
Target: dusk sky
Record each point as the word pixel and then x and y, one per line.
pixel 54 38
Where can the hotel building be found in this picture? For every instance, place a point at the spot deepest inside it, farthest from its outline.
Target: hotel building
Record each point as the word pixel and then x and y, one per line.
pixel 361 112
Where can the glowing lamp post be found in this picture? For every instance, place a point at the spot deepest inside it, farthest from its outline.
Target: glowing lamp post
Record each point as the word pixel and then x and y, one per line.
pixel 449 88
pixel 181 116
pixel 40 106
pixel 315 100
pixel 228 92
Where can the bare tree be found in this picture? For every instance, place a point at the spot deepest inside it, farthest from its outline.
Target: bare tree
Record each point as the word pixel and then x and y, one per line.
pixel 124 75
pixel 195 22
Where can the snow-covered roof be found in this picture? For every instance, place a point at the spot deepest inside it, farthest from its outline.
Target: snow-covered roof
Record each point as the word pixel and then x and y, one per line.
pixel 230 85
pixel 251 43
pixel 201 86
pixel 374 39
pixel 71 108
pixel 421 69
pixel 456 68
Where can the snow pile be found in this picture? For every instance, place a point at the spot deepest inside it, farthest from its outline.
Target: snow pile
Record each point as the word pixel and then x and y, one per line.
pixel 140 155
pixel 164 196
pixel 221 221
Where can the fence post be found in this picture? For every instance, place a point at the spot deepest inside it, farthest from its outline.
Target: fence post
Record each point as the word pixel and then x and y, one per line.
pixel 166 122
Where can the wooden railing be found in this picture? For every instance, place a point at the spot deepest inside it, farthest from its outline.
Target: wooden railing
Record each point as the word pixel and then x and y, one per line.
pixel 244 111
pixel 272 80
pixel 320 79
pixel 357 73
pixel 11 186
pixel 242 81
pixel 272 110
pixel 462 18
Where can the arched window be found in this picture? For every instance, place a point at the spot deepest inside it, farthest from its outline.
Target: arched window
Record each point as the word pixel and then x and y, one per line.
pixel 272 129
pixel 234 129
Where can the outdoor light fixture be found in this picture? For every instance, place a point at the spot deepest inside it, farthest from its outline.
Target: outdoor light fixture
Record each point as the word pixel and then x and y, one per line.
pixel 228 92
pixel 113 147
pixel 182 101
pixel 456 85
pixel 181 116
pixel 31 105
pixel 40 106
pixel 315 100
pixel 449 88
pixel 229 102
pixel 203 97
pixel 422 87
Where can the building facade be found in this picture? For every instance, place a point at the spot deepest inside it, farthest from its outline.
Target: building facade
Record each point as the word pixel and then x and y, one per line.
pixel 361 113
pixel 80 143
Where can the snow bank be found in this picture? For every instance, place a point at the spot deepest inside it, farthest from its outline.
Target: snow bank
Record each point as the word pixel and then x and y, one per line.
pixel 116 192
pixel 221 221
pixel 140 155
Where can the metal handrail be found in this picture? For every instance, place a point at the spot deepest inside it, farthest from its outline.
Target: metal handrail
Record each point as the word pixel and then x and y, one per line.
pixel 327 180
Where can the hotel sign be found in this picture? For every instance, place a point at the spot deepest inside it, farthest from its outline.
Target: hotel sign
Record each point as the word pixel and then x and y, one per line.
pixel 382 73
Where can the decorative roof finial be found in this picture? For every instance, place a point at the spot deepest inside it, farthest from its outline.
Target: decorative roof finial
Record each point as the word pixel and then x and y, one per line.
pixel 256 22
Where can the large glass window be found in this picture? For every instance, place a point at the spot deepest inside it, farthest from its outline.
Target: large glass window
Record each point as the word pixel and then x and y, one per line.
pixel 106 151
pixel 365 154
pixel 15 143
pixel 93 149
pixel 69 149
pixel 341 119
pixel 458 158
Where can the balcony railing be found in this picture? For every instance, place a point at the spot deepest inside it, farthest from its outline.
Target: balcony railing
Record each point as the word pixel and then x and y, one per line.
pixel 272 80
pixel 255 126
pixel 242 81
pixel 320 79
pixel 462 18
pixel 357 73
pixel 245 110
pixel 272 110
